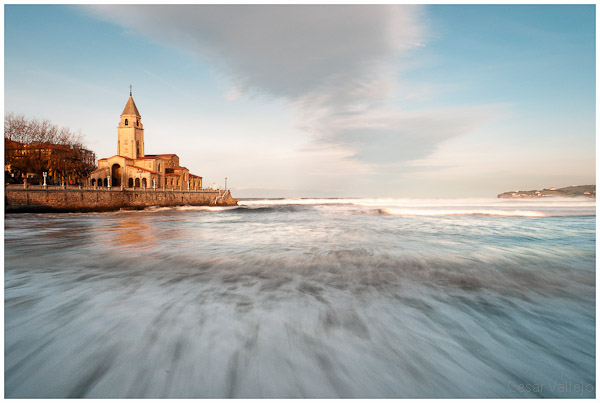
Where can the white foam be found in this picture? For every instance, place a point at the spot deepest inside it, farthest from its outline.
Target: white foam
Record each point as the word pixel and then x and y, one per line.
pixel 500 213
pixel 555 206
pixel 206 208
pixel 287 202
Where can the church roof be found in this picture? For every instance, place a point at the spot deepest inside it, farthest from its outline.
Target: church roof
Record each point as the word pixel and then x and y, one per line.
pixel 130 108
pixel 120 156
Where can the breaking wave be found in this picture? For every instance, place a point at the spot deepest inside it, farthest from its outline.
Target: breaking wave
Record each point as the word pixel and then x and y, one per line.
pixel 204 208
pixel 555 207
pixel 495 213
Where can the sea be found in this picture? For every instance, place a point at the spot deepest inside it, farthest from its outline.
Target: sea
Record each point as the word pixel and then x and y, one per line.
pixel 304 298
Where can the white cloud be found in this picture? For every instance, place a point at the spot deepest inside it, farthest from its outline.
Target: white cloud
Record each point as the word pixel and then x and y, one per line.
pixel 337 65
pixel 396 137
pixel 285 50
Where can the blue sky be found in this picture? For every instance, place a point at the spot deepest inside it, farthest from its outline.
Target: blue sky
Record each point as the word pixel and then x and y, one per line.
pixel 323 101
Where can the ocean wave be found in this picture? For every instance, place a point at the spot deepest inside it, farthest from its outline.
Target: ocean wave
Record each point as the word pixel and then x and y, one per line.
pixel 323 302
pixel 157 209
pixel 494 213
pixel 205 208
pixel 555 207
pixel 553 201
pixel 323 273
pixel 292 201
pixel 269 209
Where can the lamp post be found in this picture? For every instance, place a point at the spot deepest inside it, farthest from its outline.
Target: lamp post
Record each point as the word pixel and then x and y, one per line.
pixel 108 177
pixel 45 176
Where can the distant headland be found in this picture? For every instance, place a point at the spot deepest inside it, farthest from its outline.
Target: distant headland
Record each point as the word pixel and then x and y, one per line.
pixel 570 191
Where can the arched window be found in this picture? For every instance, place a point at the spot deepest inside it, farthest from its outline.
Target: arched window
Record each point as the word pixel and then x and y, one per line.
pixel 137 182
pixel 137 147
pixel 105 182
pixel 130 182
pixel 159 167
pixel 93 182
pixel 137 122
pixel 126 122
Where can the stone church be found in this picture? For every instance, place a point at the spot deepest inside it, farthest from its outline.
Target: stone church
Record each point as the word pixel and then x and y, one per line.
pixel 133 168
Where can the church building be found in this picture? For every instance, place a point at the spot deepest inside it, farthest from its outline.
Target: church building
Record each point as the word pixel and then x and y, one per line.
pixel 133 168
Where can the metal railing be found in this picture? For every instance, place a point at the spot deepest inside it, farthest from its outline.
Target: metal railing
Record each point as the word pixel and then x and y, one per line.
pixel 105 188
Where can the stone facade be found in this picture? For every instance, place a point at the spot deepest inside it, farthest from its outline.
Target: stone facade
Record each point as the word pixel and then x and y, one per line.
pixel 132 168
pixel 85 200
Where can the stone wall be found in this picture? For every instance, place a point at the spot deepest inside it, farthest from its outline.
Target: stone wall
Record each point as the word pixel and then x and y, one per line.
pixel 85 200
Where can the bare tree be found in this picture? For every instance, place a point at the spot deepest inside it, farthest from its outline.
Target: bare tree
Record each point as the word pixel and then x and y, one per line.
pixel 33 146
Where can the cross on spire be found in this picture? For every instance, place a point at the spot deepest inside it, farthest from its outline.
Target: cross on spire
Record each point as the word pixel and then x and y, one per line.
pixel 130 86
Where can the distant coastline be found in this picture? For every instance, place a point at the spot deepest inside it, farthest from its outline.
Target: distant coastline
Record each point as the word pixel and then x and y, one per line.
pixel 569 191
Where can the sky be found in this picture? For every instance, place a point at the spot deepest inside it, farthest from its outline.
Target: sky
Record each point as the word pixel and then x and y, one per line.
pixel 381 101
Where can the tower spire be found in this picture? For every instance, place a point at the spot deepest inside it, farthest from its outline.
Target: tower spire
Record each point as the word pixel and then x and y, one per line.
pixel 130 86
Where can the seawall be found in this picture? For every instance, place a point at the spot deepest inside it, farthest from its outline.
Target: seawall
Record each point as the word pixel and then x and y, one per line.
pixel 39 200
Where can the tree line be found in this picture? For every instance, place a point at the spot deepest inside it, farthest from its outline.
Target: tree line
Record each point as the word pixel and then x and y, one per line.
pixel 33 146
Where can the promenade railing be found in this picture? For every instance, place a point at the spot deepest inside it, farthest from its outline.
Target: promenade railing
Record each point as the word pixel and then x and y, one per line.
pixel 112 188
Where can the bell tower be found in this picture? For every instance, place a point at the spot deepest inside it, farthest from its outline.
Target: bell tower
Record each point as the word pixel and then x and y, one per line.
pixel 131 131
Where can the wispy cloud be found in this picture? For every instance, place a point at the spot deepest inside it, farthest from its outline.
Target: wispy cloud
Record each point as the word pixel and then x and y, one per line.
pixel 337 65
pixel 385 137
pixel 164 81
